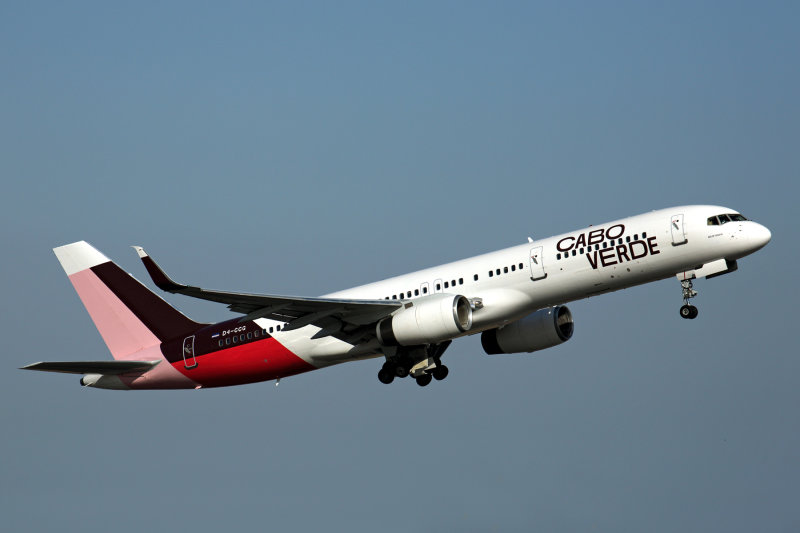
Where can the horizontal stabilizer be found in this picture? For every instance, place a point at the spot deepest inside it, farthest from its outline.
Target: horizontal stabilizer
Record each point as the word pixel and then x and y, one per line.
pixel 93 367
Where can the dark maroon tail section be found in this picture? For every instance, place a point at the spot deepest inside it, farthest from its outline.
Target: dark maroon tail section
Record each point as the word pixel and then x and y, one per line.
pixel 158 316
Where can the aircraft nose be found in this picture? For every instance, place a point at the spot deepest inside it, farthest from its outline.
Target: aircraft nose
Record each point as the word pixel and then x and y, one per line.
pixel 760 236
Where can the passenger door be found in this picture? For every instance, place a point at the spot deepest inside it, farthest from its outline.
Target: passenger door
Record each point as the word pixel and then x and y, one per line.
pixel 678 231
pixel 537 264
pixel 188 352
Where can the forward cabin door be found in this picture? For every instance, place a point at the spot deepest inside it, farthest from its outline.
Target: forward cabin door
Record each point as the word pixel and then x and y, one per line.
pixel 537 265
pixel 188 352
pixel 678 231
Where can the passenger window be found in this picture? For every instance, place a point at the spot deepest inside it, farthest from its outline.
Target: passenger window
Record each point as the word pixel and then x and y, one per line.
pixel 460 281
pixel 636 237
pixel 491 273
pixel 628 238
pixel 453 283
pixel 497 271
pixel 416 292
pixel 520 266
pixel 505 270
pixel 438 287
pixel 424 290
pixel 408 294
pixel 446 285
pixel 644 235
pixel 235 339
pixel 228 340
pixel 581 251
pixel 475 277
pixel 574 253
pixel 513 268
pixel 619 241
pixel 241 337
pixel 220 342
pixel 558 256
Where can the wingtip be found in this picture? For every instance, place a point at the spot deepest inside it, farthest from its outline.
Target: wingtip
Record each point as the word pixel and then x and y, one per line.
pixel 140 251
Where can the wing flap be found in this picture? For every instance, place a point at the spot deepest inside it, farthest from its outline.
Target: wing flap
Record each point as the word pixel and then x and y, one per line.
pixel 92 367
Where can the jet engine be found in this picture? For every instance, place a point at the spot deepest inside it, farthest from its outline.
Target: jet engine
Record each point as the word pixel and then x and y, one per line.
pixel 543 329
pixel 427 320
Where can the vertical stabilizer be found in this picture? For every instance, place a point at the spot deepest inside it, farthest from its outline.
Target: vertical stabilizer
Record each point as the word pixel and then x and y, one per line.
pixel 127 314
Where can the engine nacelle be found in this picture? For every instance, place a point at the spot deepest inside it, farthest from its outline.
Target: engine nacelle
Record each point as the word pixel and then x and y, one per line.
pixel 427 320
pixel 543 329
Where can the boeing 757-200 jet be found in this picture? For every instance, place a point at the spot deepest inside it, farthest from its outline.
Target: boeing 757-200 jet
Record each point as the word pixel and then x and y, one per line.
pixel 515 298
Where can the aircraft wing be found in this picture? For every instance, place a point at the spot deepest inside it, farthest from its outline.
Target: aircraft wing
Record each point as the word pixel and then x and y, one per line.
pixel 92 367
pixel 297 311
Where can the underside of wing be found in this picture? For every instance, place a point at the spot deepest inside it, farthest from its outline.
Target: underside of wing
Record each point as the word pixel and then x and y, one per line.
pixel 297 311
pixel 92 367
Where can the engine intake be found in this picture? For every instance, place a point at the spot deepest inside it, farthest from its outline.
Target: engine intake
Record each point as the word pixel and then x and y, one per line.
pixel 427 320
pixel 543 329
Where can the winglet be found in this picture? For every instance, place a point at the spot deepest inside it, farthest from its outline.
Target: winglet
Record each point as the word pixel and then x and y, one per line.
pixel 158 276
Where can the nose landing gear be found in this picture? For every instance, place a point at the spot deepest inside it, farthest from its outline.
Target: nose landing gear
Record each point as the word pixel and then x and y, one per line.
pixel 688 310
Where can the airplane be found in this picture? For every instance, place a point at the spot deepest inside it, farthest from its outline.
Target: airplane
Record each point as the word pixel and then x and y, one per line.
pixel 515 298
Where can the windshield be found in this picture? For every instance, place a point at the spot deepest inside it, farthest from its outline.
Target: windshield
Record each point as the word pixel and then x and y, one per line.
pixel 725 218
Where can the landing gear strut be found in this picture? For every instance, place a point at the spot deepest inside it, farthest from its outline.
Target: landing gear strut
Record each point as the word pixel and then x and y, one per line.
pixel 687 309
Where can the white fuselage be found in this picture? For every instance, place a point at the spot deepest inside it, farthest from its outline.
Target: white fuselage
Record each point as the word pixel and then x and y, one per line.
pixel 512 283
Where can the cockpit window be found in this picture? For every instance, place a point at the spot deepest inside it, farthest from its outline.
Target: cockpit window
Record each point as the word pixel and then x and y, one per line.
pixel 725 218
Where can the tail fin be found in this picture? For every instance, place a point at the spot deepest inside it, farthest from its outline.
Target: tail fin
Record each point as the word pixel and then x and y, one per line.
pixel 128 315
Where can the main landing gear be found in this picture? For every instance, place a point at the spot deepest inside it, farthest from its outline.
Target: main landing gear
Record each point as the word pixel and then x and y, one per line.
pixel 423 363
pixel 687 309
pixel 391 370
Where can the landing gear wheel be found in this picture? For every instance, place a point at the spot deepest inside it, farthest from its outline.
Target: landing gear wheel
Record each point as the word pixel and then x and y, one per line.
pixel 401 371
pixel 385 375
pixel 689 311
pixel 423 380
pixel 440 372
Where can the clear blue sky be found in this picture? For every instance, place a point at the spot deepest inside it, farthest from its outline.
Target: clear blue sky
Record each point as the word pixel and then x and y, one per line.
pixel 302 148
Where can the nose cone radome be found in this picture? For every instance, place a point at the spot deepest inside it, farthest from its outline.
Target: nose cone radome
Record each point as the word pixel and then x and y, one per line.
pixel 760 236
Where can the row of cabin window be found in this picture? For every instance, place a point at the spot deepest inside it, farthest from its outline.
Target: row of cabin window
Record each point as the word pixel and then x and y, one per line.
pixel 452 283
pixel 503 271
pixel 597 246
pixel 234 339
pixel 447 285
